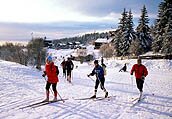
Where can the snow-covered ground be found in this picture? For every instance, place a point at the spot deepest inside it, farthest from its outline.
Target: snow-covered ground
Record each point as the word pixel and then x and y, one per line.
pixel 21 86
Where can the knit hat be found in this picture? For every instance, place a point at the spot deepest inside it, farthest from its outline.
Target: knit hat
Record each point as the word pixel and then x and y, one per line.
pixel 139 60
pixel 96 62
pixel 49 58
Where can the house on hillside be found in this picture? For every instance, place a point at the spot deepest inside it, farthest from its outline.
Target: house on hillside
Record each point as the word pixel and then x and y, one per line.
pixel 48 43
pixel 101 41
pixel 61 46
pixel 70 45
pixel 76 45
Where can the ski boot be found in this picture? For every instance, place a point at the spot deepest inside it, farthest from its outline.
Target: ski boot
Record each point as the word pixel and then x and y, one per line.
pixel 94 96
pixel 55 96
pixel 106 94
pixel 47 97
pixel 46 100
pixel 140 97
pixel 55 99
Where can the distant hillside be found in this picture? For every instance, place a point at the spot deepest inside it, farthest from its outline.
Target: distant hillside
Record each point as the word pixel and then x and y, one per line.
pixel 84 39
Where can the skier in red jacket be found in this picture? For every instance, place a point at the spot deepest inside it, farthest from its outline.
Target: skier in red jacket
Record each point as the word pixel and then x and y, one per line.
pixel 51 72
pixel 140 73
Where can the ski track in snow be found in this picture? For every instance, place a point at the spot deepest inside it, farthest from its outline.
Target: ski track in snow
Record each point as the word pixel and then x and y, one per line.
pixel 22 86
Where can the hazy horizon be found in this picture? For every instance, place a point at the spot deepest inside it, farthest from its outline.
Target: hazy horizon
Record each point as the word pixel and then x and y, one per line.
pixel 23 19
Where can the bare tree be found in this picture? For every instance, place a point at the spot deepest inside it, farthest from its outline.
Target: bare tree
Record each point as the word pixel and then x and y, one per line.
pixel 36 51
pixel 107 50
pixel 13 52
pixel 135 48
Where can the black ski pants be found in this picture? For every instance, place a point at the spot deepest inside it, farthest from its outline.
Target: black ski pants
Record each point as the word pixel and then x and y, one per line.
pixel 64 72
pixel 53 86
pixel 101 84
pixel 69 73
pixel 139 83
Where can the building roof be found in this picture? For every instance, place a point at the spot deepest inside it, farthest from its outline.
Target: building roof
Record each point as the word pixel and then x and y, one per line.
pixel 77 42
pixel 103 40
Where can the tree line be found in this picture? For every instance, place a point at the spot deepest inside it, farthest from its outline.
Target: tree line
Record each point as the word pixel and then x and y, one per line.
pixel 128 41
pixel 157 38
pixel 32 54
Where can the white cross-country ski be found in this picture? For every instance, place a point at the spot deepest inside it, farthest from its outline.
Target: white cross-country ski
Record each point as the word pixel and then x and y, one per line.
pixel 137 100
pixel 96 98
pixel 41 103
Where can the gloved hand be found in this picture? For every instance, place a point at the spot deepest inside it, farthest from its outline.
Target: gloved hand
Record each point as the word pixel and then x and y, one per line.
pixel 88 75
pixel 45 72
pixel 143 78
pixel 131 73
pixel 43 75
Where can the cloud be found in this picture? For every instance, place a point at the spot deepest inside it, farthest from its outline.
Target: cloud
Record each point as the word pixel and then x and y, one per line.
pixel 104 7
pixel 29 11
pixel 55 30
pixel 60 18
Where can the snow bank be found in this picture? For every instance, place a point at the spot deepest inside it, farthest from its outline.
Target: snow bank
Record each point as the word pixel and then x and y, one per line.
pixel 21 86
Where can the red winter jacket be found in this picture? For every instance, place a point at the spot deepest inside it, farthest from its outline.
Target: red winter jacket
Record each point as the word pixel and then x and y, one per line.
pixel 50 70
pixel 140 70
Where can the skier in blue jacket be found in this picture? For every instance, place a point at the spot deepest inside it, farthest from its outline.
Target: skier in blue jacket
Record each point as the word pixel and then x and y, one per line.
pixel 99 72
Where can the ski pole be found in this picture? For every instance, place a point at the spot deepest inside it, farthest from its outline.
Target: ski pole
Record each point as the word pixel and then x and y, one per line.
pixel 91 78
pixel 57 92
pixel 94 81
pixel 60 97
pixel 102 86
pixel 71 75
pixel 98 79
pixel 149 88
pixel 132 82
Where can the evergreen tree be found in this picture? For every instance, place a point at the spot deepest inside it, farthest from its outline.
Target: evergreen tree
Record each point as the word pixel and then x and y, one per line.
pixel 167 39
pixel 122 46
pixel 143 31
pixel 124 43
pixel 124 31
pixel 131 33
pixel 123 21
pixel 161 42
pixel 117 42
pixel 130 26
pixel 156 44
pixel 167 35
pixel 120 35
pixel 124 34
pixel 158 29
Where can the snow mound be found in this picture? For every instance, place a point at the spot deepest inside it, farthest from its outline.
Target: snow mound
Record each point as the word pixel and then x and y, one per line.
pixel 22 86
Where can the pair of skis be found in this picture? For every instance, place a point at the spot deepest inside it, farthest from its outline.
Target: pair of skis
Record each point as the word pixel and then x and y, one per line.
pixel 96 98
pixel 137 100
pixel 42 103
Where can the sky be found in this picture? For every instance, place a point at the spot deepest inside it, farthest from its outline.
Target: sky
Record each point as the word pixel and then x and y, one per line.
pixel 20 20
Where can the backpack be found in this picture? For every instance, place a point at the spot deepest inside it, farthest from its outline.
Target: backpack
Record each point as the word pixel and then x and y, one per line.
pixel 104 69
pixel 57 70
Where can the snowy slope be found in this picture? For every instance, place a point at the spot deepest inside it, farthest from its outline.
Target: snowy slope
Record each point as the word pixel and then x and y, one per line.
pixel 21 86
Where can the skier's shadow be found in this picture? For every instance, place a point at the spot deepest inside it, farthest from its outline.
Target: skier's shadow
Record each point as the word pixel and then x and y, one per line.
pixel 76 109
pixel 159 103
